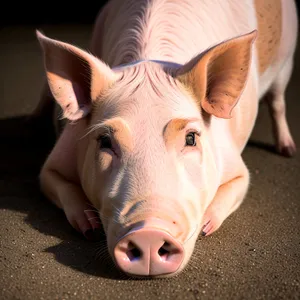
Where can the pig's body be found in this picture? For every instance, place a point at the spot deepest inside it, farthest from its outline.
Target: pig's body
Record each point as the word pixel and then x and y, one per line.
pixel 139 40
pixel 168 35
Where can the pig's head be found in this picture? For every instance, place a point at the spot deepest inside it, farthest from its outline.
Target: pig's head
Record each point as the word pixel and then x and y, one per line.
pixel 149 164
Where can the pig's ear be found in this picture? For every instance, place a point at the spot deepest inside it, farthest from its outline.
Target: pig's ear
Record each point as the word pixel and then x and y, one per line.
pixel 75 77
pixel 218 76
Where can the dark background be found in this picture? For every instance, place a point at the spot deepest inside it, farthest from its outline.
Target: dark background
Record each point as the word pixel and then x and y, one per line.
pixel 254 255
pixel 49 12
pixel 52 12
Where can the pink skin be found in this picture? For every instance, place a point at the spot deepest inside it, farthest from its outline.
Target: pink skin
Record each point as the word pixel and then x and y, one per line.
pixel 153 147
pixel 148 250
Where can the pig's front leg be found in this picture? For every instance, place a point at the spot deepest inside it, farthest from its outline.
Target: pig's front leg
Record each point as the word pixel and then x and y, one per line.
pixel 60 183
pixel 228 198
pixel 71 199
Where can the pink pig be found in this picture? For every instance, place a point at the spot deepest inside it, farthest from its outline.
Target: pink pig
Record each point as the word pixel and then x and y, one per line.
pixel 158 114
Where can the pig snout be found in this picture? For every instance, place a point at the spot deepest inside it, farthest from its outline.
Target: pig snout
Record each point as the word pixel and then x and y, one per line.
pixel 148 251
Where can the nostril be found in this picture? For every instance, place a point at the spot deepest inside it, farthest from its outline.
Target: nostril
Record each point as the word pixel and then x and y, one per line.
pixel 133 252
pixel 136 253
pixel 148 251
pixel 164 251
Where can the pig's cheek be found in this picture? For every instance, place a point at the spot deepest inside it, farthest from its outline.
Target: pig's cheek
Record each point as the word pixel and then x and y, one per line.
pixel 193 154
pixel 105 161
pixel 193 167
pixel 104 170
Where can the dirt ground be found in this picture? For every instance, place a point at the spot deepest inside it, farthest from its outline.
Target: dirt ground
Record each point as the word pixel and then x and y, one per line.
pixel 255 254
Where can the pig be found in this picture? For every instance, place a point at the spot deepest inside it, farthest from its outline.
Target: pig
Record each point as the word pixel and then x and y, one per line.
pixel 158 111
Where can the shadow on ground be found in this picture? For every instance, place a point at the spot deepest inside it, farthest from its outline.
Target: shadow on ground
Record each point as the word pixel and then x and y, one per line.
pixel 25 145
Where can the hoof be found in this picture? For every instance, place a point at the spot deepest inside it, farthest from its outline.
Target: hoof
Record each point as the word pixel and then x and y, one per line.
pixel 288 150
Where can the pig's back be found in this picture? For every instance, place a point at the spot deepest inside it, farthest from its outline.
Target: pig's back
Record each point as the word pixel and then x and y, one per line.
pixel 269 25
pixel 277 26
pixel 168 30
pixel 176 31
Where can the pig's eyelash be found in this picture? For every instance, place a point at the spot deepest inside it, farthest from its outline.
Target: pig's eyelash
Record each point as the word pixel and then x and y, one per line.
pixel 104 127
pixel 193 130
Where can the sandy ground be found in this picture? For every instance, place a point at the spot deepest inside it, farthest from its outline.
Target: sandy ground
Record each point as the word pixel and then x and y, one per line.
pixel 255 254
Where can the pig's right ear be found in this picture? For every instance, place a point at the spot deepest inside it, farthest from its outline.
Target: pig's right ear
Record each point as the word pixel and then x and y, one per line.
pixel 75 77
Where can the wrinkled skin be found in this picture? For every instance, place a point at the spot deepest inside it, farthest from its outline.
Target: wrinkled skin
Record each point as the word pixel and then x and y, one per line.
pixel 152 148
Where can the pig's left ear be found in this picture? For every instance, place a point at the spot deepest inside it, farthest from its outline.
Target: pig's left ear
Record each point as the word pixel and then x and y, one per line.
pixel 75 77
pixel 218 76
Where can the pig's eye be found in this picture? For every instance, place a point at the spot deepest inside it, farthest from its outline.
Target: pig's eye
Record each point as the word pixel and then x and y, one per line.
pixel 104 142
pixel 190 139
